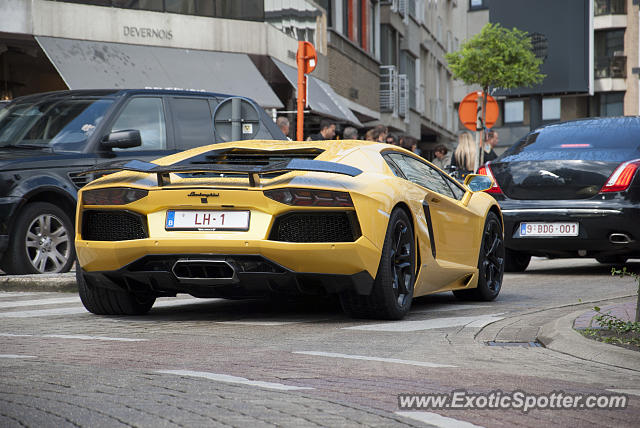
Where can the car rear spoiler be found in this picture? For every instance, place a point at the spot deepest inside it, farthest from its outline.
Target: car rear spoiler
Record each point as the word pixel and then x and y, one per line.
pixel 252 171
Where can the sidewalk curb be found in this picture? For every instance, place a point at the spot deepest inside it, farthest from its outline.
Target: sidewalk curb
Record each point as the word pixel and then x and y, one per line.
pixel 55 282
pixel 559 336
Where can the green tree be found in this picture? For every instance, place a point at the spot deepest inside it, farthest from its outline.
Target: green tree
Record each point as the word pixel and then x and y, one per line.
pixel 496 58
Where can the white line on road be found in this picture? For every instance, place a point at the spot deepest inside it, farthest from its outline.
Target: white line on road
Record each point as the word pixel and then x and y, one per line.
pixel 15 357
pixel 382 360
pixel 626 391
pixel 437 420
pixel 39 302
pixel 233 379
pixel 405 326
pixel 82 310
pixel 449 308
pixel 75 336
pixel 260 323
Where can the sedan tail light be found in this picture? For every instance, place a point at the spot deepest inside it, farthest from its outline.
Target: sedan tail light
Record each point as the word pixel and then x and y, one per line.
pixel 621 177
pixel 486 170
pixel 310 197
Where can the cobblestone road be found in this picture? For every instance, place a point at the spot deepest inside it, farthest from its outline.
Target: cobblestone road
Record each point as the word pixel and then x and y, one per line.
pixel 194 362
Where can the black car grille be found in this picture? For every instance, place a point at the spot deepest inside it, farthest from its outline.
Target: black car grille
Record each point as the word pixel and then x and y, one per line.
pixel 316 227
pixel 112 226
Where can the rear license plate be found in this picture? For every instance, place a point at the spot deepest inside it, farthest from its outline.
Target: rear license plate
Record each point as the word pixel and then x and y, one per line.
pixel 207 220
pixel 548 229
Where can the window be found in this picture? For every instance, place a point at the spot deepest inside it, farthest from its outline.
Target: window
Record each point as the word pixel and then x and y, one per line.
pixel 551 109
pixel 612 104
pixel 388 45
pixel 513 111
pixel 147 116
pixel 477 4
pixel 422 174
pixel 192 122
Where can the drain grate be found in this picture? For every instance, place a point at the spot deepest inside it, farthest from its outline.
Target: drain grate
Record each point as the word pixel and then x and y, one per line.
pixel 521 344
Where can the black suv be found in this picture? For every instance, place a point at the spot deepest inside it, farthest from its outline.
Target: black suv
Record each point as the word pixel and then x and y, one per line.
pixel 48 140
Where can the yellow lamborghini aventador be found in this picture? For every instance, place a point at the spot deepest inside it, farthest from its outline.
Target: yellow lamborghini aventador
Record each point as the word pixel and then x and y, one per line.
pixel 371 222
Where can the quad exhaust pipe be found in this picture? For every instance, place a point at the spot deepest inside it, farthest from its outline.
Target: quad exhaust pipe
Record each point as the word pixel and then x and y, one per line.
pixel 620 238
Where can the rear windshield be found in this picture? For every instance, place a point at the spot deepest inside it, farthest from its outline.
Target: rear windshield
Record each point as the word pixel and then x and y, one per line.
pixel 579 140
pixel 60 124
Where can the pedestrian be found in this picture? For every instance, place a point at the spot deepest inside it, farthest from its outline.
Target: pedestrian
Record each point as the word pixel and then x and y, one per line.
pixel 283 123
pixel 464 158
pixel 441 160
pixel 410 144
pixel 327 131
pixel 392 139
pixel 350 133
pixel 491 143
pixel 369 135
pixel 380 133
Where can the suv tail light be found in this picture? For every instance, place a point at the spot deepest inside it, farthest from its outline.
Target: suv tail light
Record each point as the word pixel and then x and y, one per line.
pixel 310 197
pixel 486 170
pixel 621 177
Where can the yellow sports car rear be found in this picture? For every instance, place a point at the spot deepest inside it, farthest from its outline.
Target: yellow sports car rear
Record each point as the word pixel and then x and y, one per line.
pixel 372 223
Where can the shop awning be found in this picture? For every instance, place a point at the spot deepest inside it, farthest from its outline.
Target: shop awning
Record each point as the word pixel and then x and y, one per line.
pixel 86 64
pixel 321 97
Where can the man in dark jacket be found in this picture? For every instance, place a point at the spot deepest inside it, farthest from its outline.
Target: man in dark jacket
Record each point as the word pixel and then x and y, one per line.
pixel 489 146
pixel 327 131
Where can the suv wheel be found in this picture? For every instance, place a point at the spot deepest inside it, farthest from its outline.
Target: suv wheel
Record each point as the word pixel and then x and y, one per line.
pixel 41 241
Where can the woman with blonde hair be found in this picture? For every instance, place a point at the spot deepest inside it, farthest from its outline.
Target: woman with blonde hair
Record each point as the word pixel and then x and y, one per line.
pixel 464 158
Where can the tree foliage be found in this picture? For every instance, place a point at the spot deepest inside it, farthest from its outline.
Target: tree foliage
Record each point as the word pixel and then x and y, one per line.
pixel 496 57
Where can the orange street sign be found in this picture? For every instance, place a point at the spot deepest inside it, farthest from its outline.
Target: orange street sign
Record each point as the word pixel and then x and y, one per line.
pixel 468 110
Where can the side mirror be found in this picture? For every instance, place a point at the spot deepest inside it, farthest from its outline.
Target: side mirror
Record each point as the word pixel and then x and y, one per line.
pixel 122 139
pixel 478 183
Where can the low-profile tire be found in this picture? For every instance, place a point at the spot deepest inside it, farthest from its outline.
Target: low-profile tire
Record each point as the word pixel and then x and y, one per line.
pixel 515 261
pixel 40 241
pixel 612 260
pixel 104 301
pixel 490 263
pixel 392 290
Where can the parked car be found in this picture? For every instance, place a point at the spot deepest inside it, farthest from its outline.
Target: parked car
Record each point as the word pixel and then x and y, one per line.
pixel 47 140
pixel 370 222
pixel 571 190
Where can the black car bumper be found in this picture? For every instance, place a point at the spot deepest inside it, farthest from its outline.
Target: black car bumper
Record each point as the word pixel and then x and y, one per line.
pixel 602 230
pixel 229 276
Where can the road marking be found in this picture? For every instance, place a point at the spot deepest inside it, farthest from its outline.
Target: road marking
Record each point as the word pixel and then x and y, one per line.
pixel 39 302
pixel 260 323
pixel 82 310
pixel 13 356
pixel 75 336
pixel 382 360
pixel 18 293
pixel 437 420
pixel 405 326
pixel 626 391
pixel 233 379
pixel 449 308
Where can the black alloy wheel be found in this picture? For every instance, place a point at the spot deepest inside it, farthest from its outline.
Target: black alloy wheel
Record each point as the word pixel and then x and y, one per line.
pixel 392 291
pixel 491 263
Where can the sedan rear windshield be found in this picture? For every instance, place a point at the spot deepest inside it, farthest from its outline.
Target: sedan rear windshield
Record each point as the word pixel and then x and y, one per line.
pixel 56 124
pixel 579 141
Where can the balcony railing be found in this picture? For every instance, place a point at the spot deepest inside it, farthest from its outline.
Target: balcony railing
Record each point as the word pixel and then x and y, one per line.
pixel 610 7
pixel 611 66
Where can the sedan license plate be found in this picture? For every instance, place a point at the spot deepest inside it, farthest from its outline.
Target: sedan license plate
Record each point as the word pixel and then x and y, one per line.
pixel 548 229
pixel 207 220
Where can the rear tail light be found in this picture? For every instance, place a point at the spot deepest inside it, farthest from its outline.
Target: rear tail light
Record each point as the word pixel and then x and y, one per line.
pixel 621 177
pixel 112 196
pixel 310 197
pixel 486 170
